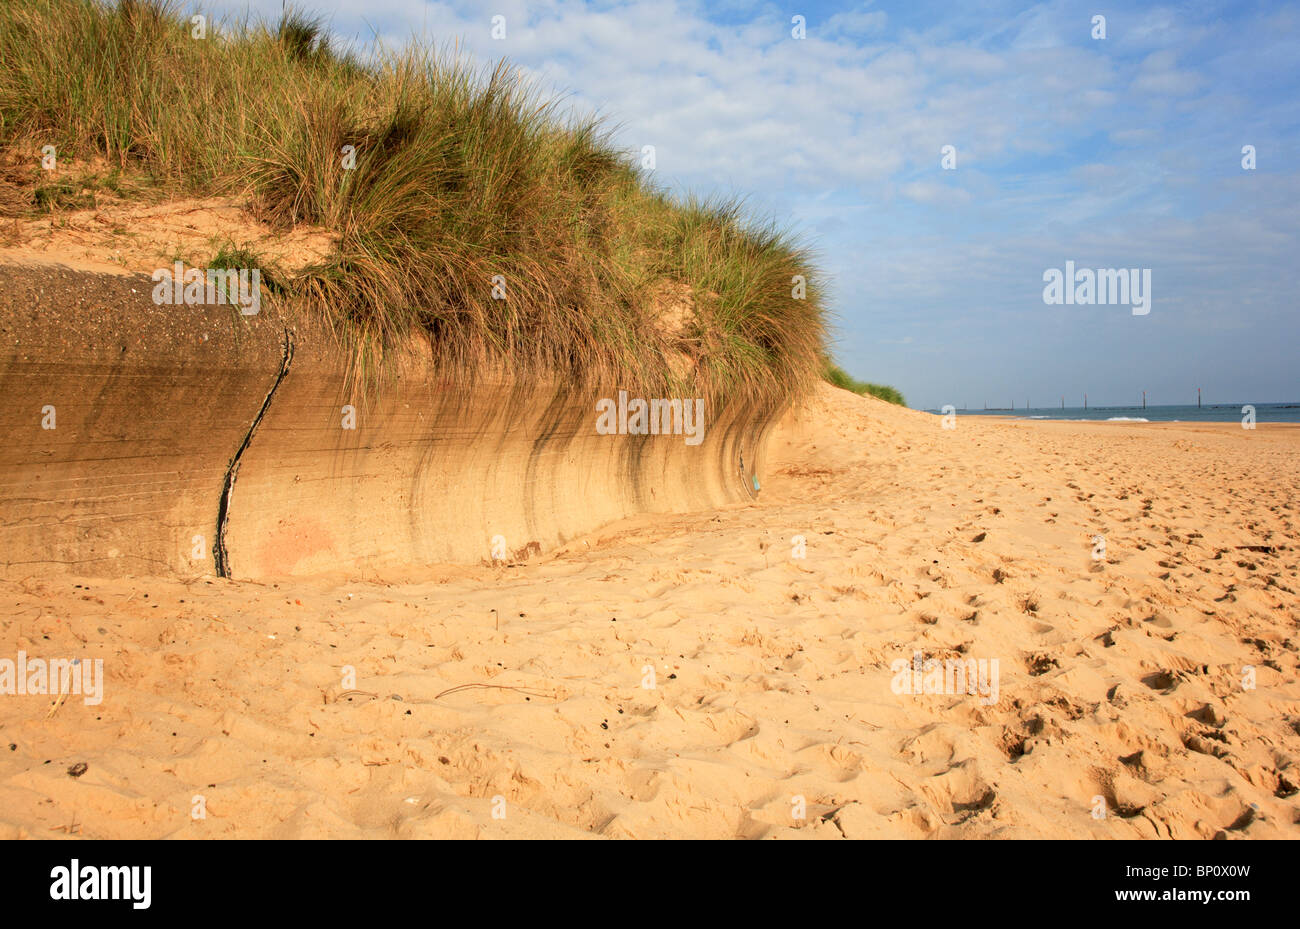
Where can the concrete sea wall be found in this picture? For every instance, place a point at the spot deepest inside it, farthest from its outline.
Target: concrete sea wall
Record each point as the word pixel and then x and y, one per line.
pixel 188 440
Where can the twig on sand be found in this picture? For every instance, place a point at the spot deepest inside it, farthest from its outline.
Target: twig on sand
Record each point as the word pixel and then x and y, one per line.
pixel 356 693
pixel 530 691
pixel 63 695
pixel 73 828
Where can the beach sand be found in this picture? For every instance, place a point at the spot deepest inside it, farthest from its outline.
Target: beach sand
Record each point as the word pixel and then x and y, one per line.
pixel 1161 678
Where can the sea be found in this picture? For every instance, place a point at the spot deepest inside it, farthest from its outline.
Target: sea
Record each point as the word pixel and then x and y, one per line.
pixel 1209 413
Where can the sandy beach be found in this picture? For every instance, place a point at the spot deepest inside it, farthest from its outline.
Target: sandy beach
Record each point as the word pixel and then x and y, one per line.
pixel 690 676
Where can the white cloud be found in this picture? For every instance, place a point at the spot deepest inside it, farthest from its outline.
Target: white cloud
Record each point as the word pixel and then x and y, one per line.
pixel 861 22
pixel 934 194
pixel 1159 74
pixel 753 108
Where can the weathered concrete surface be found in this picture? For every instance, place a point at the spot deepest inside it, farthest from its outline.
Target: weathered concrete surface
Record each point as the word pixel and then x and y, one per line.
pixel 149 403
pixel 153 404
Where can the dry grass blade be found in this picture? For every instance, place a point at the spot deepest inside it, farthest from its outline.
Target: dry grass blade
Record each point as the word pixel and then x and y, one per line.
pixel 528 691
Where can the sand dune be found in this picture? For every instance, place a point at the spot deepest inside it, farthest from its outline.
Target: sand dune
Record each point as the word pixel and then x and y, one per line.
pixel 1120 679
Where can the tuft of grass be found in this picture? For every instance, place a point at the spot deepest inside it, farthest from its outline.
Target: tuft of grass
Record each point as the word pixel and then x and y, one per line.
pixel 837 376
pixel 75 192
pixel 234 257
pixel 62 195
pixel 302 36
pixel 477 216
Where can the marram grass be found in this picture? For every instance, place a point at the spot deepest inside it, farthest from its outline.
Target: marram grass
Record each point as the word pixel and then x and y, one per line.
pixel 840 378
pixel 465 183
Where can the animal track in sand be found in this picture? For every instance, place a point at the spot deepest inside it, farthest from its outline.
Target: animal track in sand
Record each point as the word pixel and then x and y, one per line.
pixel 1039 664
pixel 1207 742
pixel 1163 681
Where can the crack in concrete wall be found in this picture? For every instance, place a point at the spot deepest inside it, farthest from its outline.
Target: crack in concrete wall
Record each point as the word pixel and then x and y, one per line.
pixel 220 556
pixel 151 400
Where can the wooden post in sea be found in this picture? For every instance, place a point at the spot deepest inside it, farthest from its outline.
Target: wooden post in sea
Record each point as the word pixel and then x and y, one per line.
pixel 1085 401
pixel 1144 399
pixel 1198 398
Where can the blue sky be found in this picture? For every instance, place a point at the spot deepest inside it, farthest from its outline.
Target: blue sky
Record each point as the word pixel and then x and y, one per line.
pixel 1123 152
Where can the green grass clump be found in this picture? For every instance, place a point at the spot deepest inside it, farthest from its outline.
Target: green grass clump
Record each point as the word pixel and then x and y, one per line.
pixel 62 195
pixel 837 376
pixel 234 257
pixel 74 193
pixel 464 179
